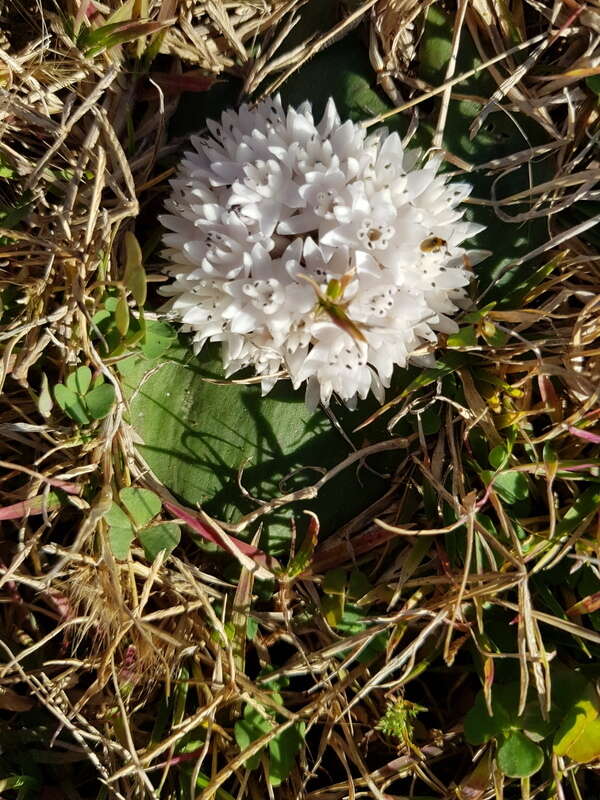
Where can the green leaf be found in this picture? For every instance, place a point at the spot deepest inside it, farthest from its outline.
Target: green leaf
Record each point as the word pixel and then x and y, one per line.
pixel 512 486
pixel 578 736
pixel 142 505
pixel 332 609
pixel 158 339
pixel 100 400
pixel 358 585
pixel 282 752
pixel 479 727
pixel 71 404
pixel 593 83
pixel 120 540
pixel 465 337
pixel 198 435
pixel 80 380
pixel 518 756
pixel 549 455
pixel 115 516
pixel 122 315
pixel 13 214
pixel 375 648
pixel 164 536
pixel 135 275
pixel 498 456
pixel 251 727
pixel 492 334
pixel 449 363
pixel 352 619
pixel 585 505
pixel 251 628
pixel 107 36
pixel 6 170
pixel 299 563
pixel 334 581
pixel 533 723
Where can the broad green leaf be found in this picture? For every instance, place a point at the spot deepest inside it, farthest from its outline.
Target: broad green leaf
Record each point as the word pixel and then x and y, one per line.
pixel 164 536
pixel 578 736
pixel 274 685
pixel 158 339
pixel 251 727
pixel 100 400
pixel 120 540
pixel 498 456
pixel 198 436
pixel 282 752
pixel 518 756
pixel 358 585
pixel 71 404
pixel 80 380
pixel 534 724
pixel 142 504
pixel 352 620
pixel 512 486
pixel 479 727
pixel 115 516
pixel 342 71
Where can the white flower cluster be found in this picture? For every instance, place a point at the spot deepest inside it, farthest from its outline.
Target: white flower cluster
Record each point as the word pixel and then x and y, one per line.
pixel 312 250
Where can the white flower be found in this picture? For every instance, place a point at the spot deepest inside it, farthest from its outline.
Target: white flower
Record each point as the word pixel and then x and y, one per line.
pixel 313 250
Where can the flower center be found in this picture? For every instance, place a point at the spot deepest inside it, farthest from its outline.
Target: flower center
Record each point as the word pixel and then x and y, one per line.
pixel 264 295
pixel 325 203
pixel 375 237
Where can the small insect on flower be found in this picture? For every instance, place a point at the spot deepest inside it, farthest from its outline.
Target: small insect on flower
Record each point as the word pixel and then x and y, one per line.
pixel 331 302
pixel 433 244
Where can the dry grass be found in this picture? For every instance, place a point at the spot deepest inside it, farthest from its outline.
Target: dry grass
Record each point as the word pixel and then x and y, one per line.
pixel 115 665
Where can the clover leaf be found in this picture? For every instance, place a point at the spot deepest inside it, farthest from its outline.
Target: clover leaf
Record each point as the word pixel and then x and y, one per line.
pixel 132 518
